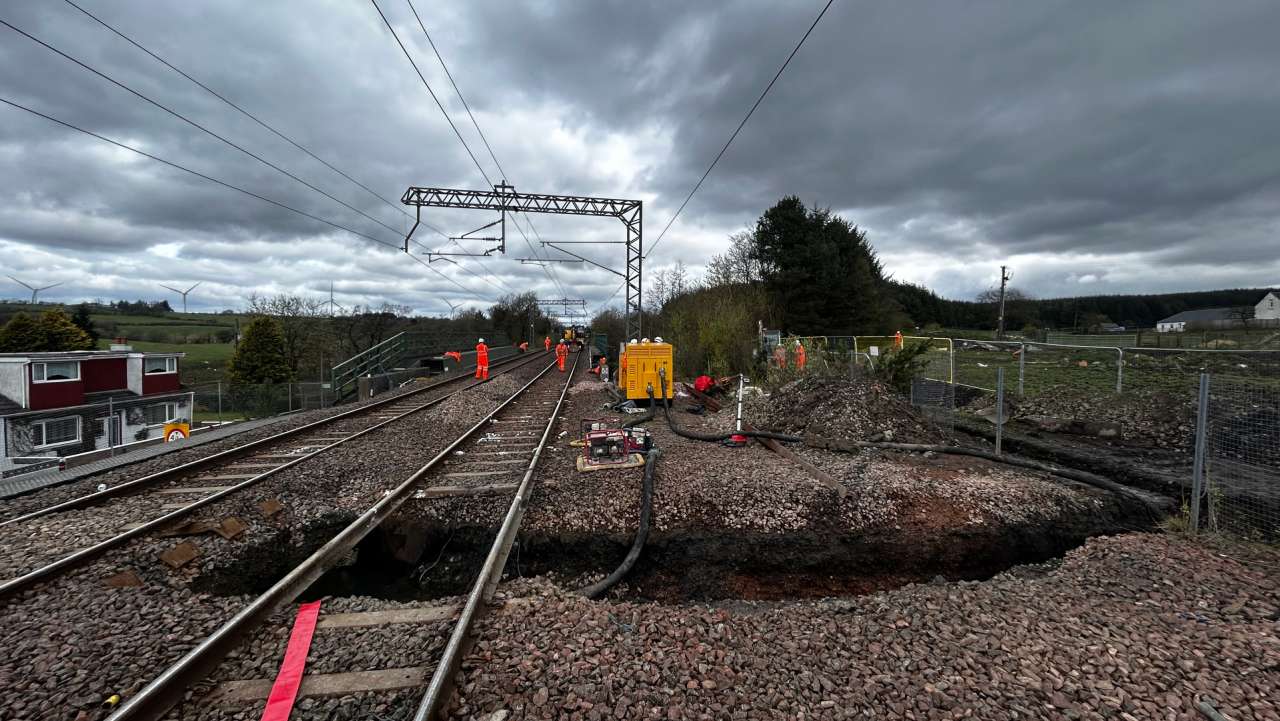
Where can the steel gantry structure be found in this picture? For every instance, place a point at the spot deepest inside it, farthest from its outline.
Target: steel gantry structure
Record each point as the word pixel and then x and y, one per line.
pixel 504 198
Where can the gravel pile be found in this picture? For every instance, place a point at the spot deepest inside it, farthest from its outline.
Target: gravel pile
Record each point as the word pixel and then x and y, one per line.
pixel 705 487
pixel 1127 627
pixel 845 408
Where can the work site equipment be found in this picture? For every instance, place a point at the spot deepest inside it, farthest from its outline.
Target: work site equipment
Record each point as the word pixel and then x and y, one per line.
pixel 644 361
pixel 605 447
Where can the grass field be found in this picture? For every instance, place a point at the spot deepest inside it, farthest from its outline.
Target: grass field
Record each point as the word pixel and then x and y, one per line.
pixel 204 362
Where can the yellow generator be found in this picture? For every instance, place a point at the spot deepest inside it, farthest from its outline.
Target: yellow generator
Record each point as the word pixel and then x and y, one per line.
pixel 638 365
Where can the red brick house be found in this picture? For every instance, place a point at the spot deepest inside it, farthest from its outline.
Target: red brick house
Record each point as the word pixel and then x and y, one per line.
pixel 58 404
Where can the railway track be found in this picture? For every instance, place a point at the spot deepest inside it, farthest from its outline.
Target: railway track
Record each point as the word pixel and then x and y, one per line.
pixel 496 456
pixel 113 516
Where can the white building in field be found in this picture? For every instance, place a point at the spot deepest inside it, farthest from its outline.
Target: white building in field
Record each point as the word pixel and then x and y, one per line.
pixel 1269 307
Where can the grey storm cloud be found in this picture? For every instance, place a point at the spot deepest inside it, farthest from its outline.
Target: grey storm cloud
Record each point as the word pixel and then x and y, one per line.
pixel 1096 147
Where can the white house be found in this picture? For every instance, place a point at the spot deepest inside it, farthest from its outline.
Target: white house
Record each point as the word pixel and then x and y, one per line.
pixel 1269 307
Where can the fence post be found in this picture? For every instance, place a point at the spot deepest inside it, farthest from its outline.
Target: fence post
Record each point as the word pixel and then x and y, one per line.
pixel 219 402
pixel 111 425
pixel 1120 370
pixel 1197 473
pixel 1022 367
pixel 999 409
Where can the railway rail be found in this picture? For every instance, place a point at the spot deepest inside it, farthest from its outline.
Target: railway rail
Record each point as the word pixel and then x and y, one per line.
pixel 478 461
pixel 191 486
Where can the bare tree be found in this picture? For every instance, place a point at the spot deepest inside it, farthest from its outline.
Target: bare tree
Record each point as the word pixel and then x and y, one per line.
pixel 1241 315
pixel 735 265
pixel 300 320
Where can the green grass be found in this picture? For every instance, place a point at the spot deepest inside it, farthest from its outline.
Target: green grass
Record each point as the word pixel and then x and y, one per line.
pixel 204 362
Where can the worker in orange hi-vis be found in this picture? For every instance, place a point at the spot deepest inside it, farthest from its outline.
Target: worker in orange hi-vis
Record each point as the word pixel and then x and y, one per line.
pixel 524 346
pixel 602 369
pixel 897 339
pixel 547 344
pixel 800 356
pixel 562 353
pixel 482 360
pixel 780 356
pixel 455 355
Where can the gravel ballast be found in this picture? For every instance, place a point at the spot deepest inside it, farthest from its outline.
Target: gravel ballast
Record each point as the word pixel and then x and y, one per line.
pixel 1129 627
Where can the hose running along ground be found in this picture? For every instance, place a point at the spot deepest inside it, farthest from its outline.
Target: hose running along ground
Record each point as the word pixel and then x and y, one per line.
pixel 598 589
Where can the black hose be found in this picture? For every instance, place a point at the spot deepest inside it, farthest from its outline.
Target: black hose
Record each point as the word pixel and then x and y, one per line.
pixel 713 437
pixel 598 589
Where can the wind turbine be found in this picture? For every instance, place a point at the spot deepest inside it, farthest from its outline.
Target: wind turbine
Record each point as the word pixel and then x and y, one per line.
pixel 453 309
pixel 34 290
pixel 182 293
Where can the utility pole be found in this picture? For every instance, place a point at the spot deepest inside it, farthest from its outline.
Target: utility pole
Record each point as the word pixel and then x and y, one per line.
pixel 1004 280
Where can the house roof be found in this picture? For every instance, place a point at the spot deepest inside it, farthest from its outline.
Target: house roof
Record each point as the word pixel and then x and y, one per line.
pixel 81 355
pixel 1189 316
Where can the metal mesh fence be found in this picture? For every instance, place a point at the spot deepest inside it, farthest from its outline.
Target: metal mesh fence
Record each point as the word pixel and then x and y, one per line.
pixel 1241 456
pixel 934 394
pixel 221 402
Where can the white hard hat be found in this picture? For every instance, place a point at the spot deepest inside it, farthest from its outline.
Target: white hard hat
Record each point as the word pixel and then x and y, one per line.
pixel 657 339
pixel 644 340
pixel 482 340
pixel 633 341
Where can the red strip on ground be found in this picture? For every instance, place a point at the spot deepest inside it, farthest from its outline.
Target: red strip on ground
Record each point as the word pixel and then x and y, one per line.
pixel 285 690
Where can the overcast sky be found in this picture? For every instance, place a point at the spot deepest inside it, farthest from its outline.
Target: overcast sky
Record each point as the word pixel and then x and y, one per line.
pixel 1095 147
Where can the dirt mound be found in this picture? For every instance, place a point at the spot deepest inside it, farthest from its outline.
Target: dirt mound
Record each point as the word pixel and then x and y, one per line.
pixel 844 408
pixel 1147 419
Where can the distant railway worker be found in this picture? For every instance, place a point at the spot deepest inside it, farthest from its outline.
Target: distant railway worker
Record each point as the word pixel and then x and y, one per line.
pixel 780 356
pixel 800 355
pixel 897 340
pixel 562 354
pixel 524 346
pixel 547 344
pixel 482 360
pixel 455 355
pixel 602 369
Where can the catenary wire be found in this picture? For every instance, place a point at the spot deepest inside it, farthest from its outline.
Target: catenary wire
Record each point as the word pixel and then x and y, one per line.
pixel 224 184
pixel 243 112
pixel 548 271
pixel 737 130
pixel 190 122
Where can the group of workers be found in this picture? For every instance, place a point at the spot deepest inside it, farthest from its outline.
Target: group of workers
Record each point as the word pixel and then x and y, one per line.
pixel 798 352
pixel 482 355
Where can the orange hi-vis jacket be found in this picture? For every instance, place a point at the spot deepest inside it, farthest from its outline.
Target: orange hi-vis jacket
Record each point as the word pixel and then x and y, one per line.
pixel 800 357
pixel 482 354
pixel 547 343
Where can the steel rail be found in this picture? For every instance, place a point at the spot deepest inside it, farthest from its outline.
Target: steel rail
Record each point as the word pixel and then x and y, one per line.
pixel 163 692
pixel 440 687
pixel 216 459
pixel 84 555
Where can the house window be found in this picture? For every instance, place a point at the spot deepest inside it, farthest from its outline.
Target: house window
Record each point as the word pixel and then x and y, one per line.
pixel 160 413
pixel 167 364
pixel 55 432
pixel 55 371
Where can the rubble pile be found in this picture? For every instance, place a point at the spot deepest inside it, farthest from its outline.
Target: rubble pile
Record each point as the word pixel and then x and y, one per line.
pixel 843 408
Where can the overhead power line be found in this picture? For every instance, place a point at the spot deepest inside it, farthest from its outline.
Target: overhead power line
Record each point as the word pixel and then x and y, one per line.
pixel 192 123
pixel 196 173
pixel 243 112
pixel 548 271
pixel 227 185
pixel 427 85
pixel 737 130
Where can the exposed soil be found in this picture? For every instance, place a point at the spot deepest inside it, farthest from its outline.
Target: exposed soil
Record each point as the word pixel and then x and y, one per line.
pixel 845 408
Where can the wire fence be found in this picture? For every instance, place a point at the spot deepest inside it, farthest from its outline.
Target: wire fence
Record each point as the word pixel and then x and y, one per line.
pixel 1236 477
pixel 222 402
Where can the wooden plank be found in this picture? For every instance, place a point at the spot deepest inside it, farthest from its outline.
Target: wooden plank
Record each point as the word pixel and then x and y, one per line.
pixel 476 474
pixel 452 491
pixel 247 466
pixel 194 489
pixel 240 693
pixel 229 477
pixel 280 456
pixel 822 476
pixel 426 614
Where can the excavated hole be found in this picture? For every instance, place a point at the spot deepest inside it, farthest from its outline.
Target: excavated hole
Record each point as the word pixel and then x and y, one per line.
pixel 422 562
